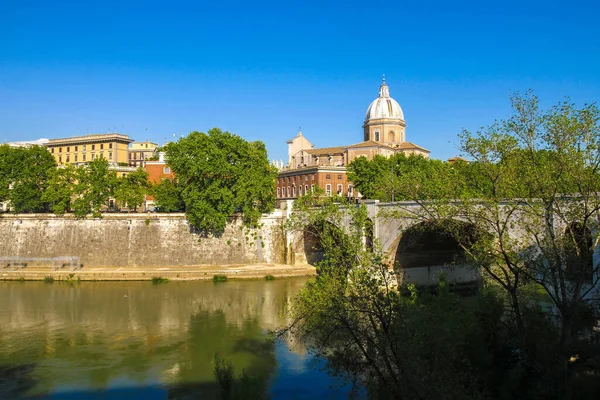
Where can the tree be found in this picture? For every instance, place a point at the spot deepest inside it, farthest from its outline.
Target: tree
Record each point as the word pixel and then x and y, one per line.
pixel 402 177
pixel 95 185
pixel 534 188
pixel 8 160
pixel 222 174
pixel 353 316
pixel 24 175
pixel 167 195
pixel 531 196
pixel 60 191
pixel 131 189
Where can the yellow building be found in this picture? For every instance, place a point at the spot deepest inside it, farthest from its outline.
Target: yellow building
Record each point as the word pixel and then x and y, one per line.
pixel 139 152
pixel 114 147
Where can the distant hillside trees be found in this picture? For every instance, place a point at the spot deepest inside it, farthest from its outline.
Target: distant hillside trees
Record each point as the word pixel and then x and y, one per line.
pixel 221 175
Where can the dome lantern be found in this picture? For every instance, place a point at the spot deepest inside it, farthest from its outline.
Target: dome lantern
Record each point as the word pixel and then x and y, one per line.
pixel 384 120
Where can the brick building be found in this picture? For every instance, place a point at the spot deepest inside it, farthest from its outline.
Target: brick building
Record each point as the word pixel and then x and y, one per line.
pixel 307 167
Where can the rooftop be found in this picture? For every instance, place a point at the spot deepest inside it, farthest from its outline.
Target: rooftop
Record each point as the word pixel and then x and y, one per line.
pixel 92 138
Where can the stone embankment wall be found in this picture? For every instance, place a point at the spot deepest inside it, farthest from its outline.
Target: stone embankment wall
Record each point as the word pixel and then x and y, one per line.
pixel 140 240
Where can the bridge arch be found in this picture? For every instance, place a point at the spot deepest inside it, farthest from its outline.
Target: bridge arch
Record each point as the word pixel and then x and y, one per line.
pixel 579 250
pixel 431 248
pixel 314 236
pixel 369 235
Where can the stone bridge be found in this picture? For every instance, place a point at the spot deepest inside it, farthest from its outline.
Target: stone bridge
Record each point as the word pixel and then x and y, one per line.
pixel 419 258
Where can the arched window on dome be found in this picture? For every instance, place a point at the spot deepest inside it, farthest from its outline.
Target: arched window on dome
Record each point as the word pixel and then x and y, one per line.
pixel 391 136
pixel 377 136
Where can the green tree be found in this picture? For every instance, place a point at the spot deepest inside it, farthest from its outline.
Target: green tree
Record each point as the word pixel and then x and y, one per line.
pixel 95 185
pixel 167 195
pixel 535 177
pixel 24 176
pixel 402 177
pixel 353 316
pixel 222 174
pixel 8 160
pixel 132 188
pixel 60 191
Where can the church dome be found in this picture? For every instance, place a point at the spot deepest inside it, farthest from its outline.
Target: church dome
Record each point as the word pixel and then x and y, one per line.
pixel 384 106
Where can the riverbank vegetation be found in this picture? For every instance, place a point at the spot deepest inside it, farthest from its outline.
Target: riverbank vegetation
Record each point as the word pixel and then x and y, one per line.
pixel 222 175
pixel 530 197
pixel 31 182
pixel 219 278
pixel 217 175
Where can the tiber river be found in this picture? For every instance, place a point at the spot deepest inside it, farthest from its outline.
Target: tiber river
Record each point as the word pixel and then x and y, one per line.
pixel 129 340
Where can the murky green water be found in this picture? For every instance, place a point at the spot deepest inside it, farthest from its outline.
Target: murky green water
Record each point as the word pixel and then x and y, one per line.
pixel 139 340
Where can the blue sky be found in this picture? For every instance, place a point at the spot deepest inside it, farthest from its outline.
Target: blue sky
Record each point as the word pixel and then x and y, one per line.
pixel 158 70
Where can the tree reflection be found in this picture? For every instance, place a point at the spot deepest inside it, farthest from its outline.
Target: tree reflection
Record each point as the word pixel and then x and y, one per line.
pixel 247 348
pixel 59 341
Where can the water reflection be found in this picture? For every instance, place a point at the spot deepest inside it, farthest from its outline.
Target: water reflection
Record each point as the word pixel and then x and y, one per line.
pixel 138 340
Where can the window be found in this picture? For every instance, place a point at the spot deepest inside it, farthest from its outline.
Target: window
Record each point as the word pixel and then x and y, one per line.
pixel 328 189
pixel 305 189
pixel 68 149
pixel 278 192
pixel 377 136
pixel 328 176
pixel 289 191
pixel 75 148
pixel 59 159
pixel 93 156
pixel 110 145
pixel 312 188
pixel 75 157
pixel 110 155
pixel 300 190
pixel 294 191
pixel 166 170
pixel 313 177
pixel 83 157
pixel 93 147
pixel 130 155
pixel 339 177
pixel 60 149
pixel 52 150
pixel 340 188
pixel 101 146
pixel 283 190
pixel 306 177
pixel 350 190
pixel 83 147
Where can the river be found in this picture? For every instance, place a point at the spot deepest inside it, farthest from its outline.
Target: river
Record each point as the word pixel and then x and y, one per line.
pixel 127 340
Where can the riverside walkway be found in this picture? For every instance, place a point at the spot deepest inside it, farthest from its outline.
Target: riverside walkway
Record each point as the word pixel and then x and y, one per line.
pixel 200 272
